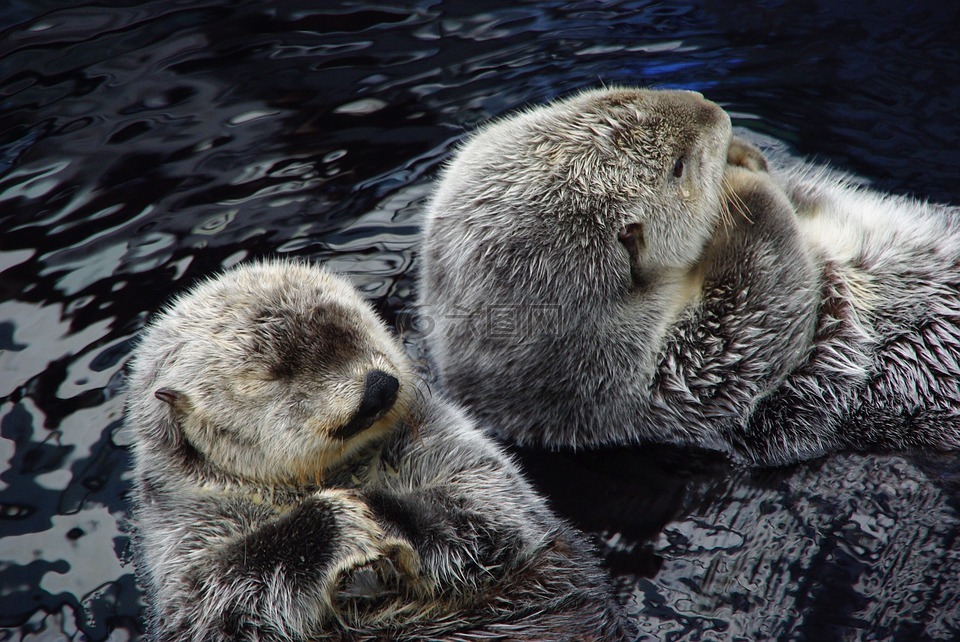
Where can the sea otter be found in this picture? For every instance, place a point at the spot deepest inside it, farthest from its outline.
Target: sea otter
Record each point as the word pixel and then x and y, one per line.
pixel 295 480
pixel 616 267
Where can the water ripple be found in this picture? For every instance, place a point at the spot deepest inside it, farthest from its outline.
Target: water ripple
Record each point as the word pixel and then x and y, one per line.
pixel 145 147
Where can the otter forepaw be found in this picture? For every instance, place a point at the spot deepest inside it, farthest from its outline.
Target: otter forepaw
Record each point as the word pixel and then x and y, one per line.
pixel 747 155
pixel 739 184
pixel 395 571
pixel 369 582
pixel 403 556
pixel 754 198
pixel 371 565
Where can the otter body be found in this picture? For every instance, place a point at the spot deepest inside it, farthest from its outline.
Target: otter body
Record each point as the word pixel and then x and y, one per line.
pixel 884 369
pixel 294 482
pixel 664 286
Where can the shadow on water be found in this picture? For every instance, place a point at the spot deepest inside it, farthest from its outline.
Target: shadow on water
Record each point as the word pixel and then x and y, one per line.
pixel 849 547
pixel 145 145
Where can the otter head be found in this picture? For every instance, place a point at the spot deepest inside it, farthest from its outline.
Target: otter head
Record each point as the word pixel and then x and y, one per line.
pixel 598 192
pixel 586 221
pixel 274 372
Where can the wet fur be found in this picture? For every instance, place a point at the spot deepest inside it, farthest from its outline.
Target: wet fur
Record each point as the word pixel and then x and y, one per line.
pixel 711 315
pixel 885 365
pixel 255 523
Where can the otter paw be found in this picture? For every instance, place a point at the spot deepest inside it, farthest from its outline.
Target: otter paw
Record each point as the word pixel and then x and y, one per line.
pixel 754 198
pixel 404 558
pixel 739 183
pixel 395 571
pixel 370 582
pixel 746 155
pixel 369 565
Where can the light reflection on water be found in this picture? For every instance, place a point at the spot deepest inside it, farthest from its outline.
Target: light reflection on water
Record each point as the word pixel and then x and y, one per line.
pixel 144 147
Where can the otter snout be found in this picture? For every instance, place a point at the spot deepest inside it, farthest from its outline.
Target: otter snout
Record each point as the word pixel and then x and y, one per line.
pixel 379 394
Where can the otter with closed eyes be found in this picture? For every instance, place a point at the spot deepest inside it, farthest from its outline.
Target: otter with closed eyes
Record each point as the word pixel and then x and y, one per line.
pixel 295 481
pixel 615 267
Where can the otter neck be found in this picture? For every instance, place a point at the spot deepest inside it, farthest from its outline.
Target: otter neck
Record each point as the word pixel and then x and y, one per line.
pixel 654 305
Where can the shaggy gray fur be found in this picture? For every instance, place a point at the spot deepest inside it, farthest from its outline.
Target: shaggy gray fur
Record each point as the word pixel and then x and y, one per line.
pixel 596 271
pixel 259 520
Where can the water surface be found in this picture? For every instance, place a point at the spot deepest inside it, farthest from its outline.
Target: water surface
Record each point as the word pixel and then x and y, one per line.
pixel 146 145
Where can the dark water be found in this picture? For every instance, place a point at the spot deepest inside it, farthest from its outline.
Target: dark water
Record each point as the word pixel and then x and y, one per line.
pixel 145 145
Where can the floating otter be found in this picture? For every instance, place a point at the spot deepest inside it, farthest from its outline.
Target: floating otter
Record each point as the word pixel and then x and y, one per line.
pixel 295 481
pixel 615 267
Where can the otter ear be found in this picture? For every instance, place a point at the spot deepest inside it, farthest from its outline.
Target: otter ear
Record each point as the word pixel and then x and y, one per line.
pixel 174 398
pixel 631 236
pixel 168 428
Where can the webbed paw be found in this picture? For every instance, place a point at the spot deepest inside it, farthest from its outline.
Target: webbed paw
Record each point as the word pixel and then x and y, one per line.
pixel 394 571
pixel 745 154
pixel 370 564
pixel 755 201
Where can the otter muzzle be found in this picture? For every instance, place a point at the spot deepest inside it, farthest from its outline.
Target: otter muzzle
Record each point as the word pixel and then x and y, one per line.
pixel 379 394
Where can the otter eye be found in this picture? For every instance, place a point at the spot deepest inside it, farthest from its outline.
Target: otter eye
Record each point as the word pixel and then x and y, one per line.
pixel 678 168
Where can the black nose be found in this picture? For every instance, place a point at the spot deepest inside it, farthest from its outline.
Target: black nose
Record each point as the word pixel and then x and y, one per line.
pixel 379 393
